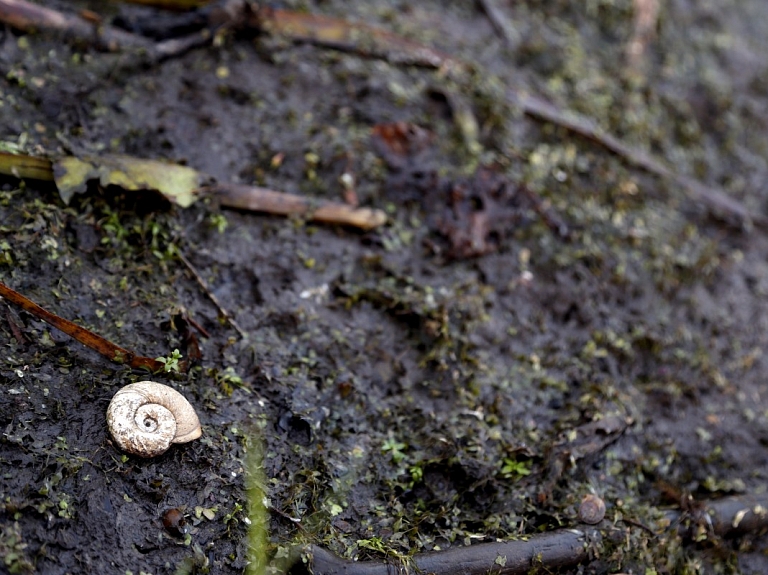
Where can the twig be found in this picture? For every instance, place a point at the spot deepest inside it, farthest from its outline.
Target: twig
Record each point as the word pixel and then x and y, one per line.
pixel 715 199
pixel 211 296
pixel 171 4
pixel 500 22
pixel 230 195
pixel 194 323
pixel 644 20
pixel 365 40
pixel 552 550
pixel 555 549
pixel 15 329
pixel 264 200
pixel 578 443
pixel 344 35
pixel 23 166
pixel 86 337
pixel 30 17
pixel 729 517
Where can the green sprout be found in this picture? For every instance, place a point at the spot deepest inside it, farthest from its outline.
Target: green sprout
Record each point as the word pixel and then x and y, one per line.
pixel 171 363
pixel 514 469
pixel 395 448
pixel 218 221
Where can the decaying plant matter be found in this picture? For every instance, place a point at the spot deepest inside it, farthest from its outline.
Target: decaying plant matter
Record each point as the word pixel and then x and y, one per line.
pixel 547 551
pixel 86 337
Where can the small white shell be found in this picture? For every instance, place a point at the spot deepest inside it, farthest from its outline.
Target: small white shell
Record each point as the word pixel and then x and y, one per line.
pixel 145 418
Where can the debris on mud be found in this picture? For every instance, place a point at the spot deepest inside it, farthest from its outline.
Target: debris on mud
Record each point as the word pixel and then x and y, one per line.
pixel 546 309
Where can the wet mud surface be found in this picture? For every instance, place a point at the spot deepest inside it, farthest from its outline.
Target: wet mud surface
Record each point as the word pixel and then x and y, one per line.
pixel 428 384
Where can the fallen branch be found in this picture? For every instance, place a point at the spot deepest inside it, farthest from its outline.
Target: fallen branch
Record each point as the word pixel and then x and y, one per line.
pixel 560 548
pixel 29 17
pixel 343 35
pixel 258 199
pixel 713 198
pixel 86 337
pixel 22 166
pixel 201 282
pixel 183 189
pixel 548 551
pixel 500 22
pixel 368 41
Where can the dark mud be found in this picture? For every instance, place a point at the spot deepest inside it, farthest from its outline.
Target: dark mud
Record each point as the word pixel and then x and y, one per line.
pixel 412 387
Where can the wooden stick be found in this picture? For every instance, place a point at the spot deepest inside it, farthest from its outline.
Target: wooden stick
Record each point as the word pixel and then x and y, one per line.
pixel 555 549
pixel 22 166
pixel 715 199
pixel 344 35
pixel 199 279
pixel 86 337
pixel 365 40
pixel 500 22
pixel 29 17
pixel 264 200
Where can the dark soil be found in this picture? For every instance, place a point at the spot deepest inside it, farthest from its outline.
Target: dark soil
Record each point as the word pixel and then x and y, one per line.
pixel 410 388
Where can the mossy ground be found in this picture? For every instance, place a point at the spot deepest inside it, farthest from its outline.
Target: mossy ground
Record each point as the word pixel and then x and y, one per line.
pixel 404 399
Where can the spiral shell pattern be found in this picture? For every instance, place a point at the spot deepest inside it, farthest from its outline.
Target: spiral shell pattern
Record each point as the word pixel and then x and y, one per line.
pixel 145 418
pixel 592 509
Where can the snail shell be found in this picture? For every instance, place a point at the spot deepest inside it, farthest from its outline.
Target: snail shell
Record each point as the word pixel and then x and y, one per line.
pixel 175 523
pixel 145 418
pixel 592 509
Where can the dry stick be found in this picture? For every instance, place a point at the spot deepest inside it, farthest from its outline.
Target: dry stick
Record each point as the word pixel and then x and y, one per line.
pixel 230 195
pixel 31 17
pixel 264 200
pixel 210 295
pixel 644 21
pixel 499 21
pixel 343 35
pixel 22 166
pixel 366 40
pixel 86 337
pixel 370 41
pixel 582 126
pixel 560 548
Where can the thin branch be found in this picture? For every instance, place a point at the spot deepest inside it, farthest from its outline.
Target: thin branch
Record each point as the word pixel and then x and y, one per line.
pixel 715 199
pixel 500 22
pixel 86 337
pixel 264 200
pixel 22 166
pixel 230 195
pixel 644 20
pixel 29 17
pixel 364 40
pixel 199 279
pixel 344 35
pixel 549 551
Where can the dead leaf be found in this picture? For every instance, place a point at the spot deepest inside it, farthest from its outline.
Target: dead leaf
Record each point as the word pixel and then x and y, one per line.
pixel 179 184
pixel 23 166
